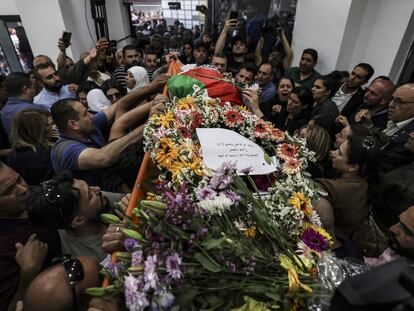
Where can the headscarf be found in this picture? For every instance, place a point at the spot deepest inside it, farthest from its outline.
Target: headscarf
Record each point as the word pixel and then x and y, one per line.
pixel 97 100
pixel 140 76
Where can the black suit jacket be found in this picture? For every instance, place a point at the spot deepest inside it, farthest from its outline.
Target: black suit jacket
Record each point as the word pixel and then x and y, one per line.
pixel 354 103
pixel 394 152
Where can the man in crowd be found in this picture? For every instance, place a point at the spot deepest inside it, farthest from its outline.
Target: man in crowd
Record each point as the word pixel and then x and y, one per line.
pixel 268 97
pixel 399 127
pixel 21 91
pixel 238 47
pixel 157 45
pixel 374 110
pixel 305 75
pixel 25 247
pixel 219 61
pixel 246 74
pixel 132 57
pixel 53 89
pixel 350 95
pixel 201 54
pixel 74 207
pixel 150 63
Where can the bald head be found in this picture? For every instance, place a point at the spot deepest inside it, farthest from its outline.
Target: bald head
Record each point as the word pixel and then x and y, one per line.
pixel 51 290
pixel 401 107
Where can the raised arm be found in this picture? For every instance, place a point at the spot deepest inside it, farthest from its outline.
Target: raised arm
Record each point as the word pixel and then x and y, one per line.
pixel 92 158
pixel 221 41
pixel 287 61
pixel 61 60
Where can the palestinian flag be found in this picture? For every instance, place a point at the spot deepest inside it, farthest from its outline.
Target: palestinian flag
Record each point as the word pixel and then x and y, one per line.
pixel 204 77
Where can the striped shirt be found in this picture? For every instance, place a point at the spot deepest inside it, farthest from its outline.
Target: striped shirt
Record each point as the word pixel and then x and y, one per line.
pixel 120 74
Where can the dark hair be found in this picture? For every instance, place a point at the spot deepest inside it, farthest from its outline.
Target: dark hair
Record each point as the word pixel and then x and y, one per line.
pixel 15 82
pixel 364 149
pixel 250 67
pixel 129 47
pixel 368 68
pixel 86 86
pixel 287 78
pixel 305 95
pixel 330 83
pixel 112 84
pixel 2 79
pixel 200 44
pixel 62 111
pixel 54 203
pixel 311 52
pixel 220 55
pixel 384 78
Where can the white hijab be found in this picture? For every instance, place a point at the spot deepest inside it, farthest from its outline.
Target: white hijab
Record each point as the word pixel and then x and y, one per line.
pixel 140 76
pixel 97 100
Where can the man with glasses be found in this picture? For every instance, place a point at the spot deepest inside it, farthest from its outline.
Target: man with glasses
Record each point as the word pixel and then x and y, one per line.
pixel 25 248
pixel 399 127
pixel 53 88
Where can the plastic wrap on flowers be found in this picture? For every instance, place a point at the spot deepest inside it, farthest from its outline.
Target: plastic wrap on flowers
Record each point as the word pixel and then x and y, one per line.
pixel 332 271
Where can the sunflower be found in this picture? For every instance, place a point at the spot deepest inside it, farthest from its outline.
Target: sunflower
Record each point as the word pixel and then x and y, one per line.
pixel 320 230
pixel 166 153
pixel 300 202
pixel 165 120
pixel 315 238
pixel 186 103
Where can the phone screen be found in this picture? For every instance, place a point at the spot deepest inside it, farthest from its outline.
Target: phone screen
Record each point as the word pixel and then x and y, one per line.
pixel 66 36
pixel 233 15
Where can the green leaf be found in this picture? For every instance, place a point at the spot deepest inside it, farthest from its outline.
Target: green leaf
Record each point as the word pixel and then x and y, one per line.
pixel 212 243
pixel 207 263
pixel 110 218
pixel 95 291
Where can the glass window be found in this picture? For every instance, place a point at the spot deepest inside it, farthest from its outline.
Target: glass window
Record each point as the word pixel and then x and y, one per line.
pixel 21 44
pixel 4 66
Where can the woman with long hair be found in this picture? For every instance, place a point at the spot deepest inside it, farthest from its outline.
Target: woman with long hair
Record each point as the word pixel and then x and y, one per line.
pixel 32 138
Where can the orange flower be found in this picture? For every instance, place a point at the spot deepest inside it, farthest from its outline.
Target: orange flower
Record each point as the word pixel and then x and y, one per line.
pixel 166 153
pixel 292 166
pixel 287 151
pixel 300 202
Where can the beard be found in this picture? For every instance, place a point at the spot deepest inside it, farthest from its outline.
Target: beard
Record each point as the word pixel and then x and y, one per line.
pixel 53 88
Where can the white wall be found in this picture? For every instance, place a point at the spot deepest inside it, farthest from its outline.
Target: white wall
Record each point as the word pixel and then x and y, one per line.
pixel 320 24
pixel 43 22
pixel 384 25
pixel 118 21
pixel 8 7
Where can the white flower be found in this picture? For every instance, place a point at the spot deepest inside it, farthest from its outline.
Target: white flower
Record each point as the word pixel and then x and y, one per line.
pixel 217 206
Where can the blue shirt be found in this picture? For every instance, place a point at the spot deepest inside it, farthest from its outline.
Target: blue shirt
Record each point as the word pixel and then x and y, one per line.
pixel 267 99
pixel 46 98
pixel 12 107
pixel 65 153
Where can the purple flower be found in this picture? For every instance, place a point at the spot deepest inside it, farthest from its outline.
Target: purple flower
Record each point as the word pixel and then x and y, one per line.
pixel 135 298
pixel 173 263
pixel 232 196
pixel 129 244
pixel 162 299
pixel 150 275
pixel 202 232
pixel 227 168
pixel 314 240
pixel 136 258
pixel 114 268
pixel 206 193
pixel 231 266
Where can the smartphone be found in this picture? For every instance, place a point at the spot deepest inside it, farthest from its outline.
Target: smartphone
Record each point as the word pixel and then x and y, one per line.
pixel 233 15
pixel 111 48
pixel 66 36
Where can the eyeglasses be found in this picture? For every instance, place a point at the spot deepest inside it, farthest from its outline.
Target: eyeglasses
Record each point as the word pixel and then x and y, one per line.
pixel 74 271
pixel 44 65
pixel 49 191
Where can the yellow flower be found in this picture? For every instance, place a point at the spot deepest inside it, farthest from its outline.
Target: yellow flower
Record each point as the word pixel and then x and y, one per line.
pixel 165 120
pixel 186 103
pixel 166 153
pixel 250 232
pixel 211 101
pixel 295 284
pixel 251 304
pixel 176 169
pixel 300 202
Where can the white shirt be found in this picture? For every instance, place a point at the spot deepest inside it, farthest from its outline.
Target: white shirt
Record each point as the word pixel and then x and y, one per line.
pixel 393 128
pixel 341 99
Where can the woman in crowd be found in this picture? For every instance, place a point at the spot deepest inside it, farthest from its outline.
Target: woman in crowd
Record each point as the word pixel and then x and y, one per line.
pixel 32 137
pixel 137 77
pixel 83 89
pixel 318 141
pixel 346 206
pixel 296 114
pixel 186 54
pixel 283 91
pixel 113 90
pixel 97 100
pixel 325 110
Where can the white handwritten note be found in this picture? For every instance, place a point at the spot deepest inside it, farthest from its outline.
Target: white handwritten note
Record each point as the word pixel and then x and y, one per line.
pixel 222 145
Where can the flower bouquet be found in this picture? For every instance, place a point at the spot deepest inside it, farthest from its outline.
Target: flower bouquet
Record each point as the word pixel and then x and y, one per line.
pixel 210 240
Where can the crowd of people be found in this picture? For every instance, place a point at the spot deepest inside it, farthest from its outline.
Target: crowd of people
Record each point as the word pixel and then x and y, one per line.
pixel 71 145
